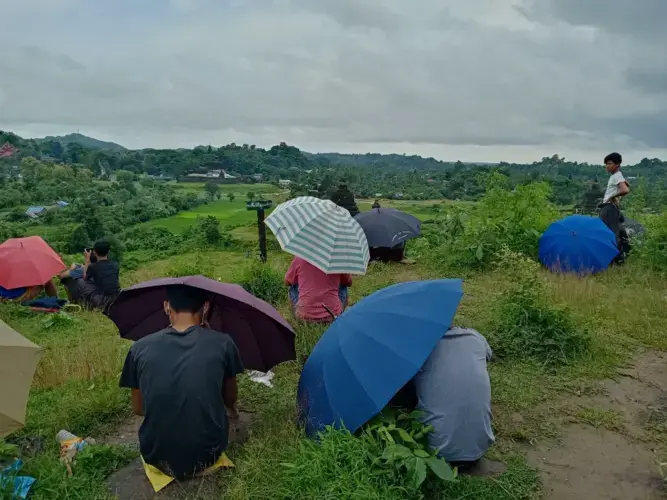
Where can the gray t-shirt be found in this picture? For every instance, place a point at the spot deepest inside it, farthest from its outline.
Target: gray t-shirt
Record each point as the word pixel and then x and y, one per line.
pixel 454 393
pixel 180 375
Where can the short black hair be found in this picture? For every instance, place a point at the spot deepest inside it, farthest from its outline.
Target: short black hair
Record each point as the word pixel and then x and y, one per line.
pixel 183 298
pixel 615 158
pixel 101 248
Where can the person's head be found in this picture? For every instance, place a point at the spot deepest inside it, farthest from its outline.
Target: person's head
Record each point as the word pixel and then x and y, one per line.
pixel 342 186
pixel 613 162
pixel 101 249
pixel 186 304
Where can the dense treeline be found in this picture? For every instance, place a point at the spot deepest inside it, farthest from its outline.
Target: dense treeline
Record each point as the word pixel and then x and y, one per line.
pixel 368 175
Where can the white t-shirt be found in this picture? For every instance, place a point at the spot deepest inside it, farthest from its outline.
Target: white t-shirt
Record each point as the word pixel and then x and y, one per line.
pixel 612 186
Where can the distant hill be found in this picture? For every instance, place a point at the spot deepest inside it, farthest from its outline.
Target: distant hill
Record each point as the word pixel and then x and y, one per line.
pixel 85 141
pixel 394 160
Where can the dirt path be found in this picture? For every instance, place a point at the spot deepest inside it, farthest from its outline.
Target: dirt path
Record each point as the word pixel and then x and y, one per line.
pixel 615 457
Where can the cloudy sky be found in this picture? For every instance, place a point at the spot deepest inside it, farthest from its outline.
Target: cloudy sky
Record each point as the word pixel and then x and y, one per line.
pixel 484 80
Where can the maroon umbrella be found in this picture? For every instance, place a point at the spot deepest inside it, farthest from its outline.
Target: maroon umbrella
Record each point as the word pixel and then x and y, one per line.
pixel 261 334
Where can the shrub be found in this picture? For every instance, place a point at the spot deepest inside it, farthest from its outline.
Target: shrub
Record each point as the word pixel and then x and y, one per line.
pixel 504 217
pixel 78 240
pixel 527 325
pixel 264 282
pixel 651 249
pixel 151 238
pixel 206 231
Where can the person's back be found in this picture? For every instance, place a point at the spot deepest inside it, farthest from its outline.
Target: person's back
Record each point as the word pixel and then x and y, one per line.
pixel 454 393
pixel 104 274
pixel 316 290
pixel 181 376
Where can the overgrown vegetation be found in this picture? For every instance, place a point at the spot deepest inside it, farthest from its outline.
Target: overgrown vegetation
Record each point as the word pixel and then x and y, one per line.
pixel 471 239
pixel 527 325
pixel 264 282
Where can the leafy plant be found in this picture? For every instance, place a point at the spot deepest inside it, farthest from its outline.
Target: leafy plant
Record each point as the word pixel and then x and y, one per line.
pixel 57 320
pixel 406 450
pixel 7 450
pixel 528 325
pixel 651 249
pixel 264 282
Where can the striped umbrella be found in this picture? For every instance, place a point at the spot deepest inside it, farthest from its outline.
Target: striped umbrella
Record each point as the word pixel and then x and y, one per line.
pixel 322 233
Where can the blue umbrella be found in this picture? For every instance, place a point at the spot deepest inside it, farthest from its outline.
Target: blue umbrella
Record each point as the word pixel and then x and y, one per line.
pixel 372 350
pixel 579 244
pixel 388 227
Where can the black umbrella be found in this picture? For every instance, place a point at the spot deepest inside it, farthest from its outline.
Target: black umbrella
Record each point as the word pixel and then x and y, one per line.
pixel 388 227
pixel 633 228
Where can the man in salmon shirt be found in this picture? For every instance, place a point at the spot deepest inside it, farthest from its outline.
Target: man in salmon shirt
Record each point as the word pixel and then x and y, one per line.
pixel 311 290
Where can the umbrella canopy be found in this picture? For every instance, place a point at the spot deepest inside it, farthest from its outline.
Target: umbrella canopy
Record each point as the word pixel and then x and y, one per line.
pixel 28 262
pixel 372 350
pixel 633 228
pixel 322 233
pixel 579 244
pixel 388 227
pixel 18 360
pixel 261 334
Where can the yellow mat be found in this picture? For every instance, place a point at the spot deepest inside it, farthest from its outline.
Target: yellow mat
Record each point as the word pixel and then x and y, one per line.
pixel 159 479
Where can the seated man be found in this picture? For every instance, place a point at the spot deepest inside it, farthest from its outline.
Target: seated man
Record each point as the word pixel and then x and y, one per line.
pixel 25 294
pixel 312 291
pixel 453 392
pixel 96 285
pixel 182 379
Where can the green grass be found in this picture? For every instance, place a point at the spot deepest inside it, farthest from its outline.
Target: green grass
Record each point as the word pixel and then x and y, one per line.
pixel 76 384
pixel 230 213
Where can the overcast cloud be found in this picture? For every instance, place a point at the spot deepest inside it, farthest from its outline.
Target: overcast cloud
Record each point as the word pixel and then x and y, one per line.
pixel 484 80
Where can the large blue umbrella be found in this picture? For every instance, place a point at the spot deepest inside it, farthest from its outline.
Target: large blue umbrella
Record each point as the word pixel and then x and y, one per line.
pixel 388 227
pixel 372 350
pixel 579 244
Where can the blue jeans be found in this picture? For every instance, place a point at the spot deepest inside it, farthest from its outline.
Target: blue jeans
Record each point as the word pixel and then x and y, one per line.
pixel 293 294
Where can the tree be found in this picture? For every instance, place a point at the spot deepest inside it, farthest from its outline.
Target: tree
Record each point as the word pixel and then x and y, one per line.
pixel 231 196
pixel 208 229
pixel 212 189
pixel 78 240
pixel 250 195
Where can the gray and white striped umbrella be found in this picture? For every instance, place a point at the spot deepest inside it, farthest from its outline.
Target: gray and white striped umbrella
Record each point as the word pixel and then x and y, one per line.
pixel 322 233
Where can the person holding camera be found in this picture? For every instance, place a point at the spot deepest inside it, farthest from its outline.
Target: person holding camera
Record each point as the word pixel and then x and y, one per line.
pixel 95 284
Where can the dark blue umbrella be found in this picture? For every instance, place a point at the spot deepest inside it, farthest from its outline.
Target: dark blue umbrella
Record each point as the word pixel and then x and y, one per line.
pixel 579 244
pixel 388 227
pixel 372 350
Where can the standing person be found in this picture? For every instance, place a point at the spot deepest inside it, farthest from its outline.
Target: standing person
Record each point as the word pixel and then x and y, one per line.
pixel 617 187
pixel 183 380
pixel 312 291
pixel 376 204
pixel 98 284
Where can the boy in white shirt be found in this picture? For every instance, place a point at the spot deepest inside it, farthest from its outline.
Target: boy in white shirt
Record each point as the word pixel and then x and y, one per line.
pixel 617 187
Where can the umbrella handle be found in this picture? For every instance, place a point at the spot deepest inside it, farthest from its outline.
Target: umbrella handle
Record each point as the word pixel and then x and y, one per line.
pixel 330 312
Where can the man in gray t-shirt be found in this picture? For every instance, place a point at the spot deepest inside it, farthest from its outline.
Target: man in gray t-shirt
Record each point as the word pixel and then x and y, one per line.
pixel 183 379
pixel 454 393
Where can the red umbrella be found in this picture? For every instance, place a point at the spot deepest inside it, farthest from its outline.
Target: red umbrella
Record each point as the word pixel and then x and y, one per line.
pixel 28 262
pixel 261 334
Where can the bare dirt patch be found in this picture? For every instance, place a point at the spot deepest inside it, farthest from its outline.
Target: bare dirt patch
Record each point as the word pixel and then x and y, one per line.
pixel 615 458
